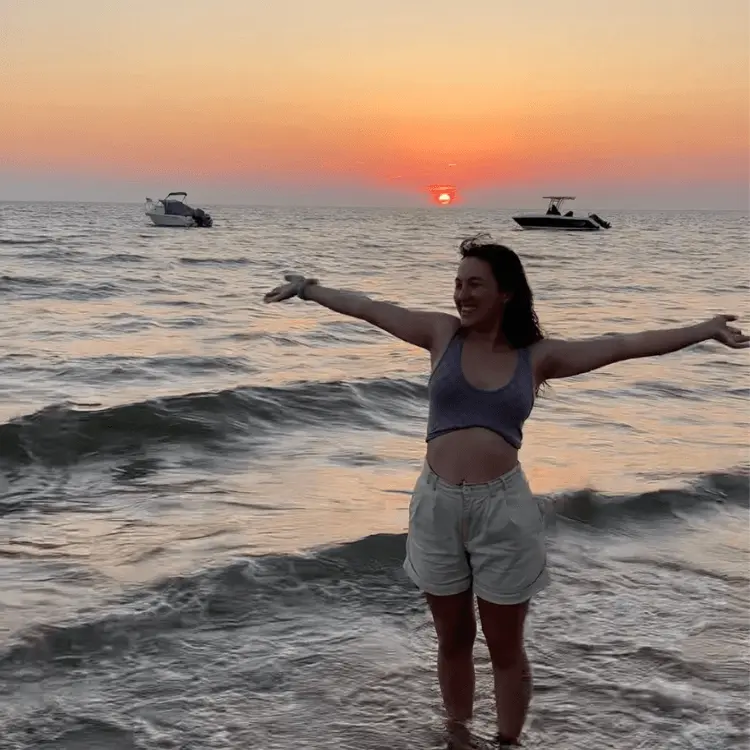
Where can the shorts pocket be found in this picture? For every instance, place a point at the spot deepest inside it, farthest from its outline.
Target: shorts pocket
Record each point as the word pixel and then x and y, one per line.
pixel 525 511
pixel 418 494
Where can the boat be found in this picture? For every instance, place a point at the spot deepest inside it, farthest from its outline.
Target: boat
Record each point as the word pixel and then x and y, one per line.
pixel 555 219
pixel 172 211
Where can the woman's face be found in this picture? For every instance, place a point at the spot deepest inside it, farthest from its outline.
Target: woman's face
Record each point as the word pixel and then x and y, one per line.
pixel 478 299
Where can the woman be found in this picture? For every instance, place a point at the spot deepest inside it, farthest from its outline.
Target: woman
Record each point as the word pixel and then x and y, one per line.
pixel 475 528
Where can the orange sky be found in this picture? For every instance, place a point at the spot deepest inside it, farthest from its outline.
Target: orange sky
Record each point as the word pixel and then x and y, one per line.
pixel 377 94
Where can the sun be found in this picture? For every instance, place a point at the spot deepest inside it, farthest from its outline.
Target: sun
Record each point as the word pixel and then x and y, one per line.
pixel 443 195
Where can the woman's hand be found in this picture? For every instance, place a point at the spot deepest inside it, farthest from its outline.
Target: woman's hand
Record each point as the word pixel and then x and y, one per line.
pixel 718 328
pixel 294 284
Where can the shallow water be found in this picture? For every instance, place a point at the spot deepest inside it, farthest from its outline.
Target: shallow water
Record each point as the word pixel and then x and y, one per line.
pixel 203 498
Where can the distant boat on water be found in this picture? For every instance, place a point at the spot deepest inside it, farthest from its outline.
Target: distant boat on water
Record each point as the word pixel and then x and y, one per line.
pixel 172 211
pixel 553 218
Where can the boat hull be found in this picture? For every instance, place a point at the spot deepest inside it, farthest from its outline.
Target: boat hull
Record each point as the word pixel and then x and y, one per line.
pixel 570 223
pixel 170 220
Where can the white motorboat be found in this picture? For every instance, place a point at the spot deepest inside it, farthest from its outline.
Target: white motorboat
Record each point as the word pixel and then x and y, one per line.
pixel 555 219
pixel 172 211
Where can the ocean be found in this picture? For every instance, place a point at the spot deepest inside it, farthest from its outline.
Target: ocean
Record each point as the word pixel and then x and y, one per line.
pixel 203 499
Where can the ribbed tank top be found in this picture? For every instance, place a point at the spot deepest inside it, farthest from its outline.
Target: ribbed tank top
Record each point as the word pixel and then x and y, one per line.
pixel 455 404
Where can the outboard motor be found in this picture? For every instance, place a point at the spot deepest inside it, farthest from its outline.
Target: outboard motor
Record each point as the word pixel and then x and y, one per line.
pixel 202 219
pixel 601 222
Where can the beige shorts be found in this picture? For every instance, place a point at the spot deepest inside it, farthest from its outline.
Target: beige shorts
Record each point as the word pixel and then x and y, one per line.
pixel 487 536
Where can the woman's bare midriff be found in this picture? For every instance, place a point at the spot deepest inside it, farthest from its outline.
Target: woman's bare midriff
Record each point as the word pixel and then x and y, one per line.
pixel 473 456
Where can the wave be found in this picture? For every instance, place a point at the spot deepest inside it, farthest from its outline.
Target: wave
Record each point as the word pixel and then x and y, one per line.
pixel 35 287
pixel 357 576
pixel 190 261
pixel 13 282
pixel 363 573
pixel 65 434
pixel 593 509
pixel 28 241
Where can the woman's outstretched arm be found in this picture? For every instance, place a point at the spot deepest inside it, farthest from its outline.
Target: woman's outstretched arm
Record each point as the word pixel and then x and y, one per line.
pixel 564 359
pixel 418 327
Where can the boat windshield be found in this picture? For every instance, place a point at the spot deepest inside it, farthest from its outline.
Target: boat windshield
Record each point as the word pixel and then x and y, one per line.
pixel 555 203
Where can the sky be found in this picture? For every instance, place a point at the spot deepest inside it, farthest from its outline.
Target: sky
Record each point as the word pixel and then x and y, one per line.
pixel 630 104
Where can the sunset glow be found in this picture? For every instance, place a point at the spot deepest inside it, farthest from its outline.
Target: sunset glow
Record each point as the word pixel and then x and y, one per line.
pixel 344 95
pixel 443 195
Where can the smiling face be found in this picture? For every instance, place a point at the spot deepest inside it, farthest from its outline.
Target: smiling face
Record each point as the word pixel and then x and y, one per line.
pixel 477 297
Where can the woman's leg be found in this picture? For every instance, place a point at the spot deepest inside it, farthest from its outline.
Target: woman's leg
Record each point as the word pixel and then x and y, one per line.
pixel 502 625
pixel 456 629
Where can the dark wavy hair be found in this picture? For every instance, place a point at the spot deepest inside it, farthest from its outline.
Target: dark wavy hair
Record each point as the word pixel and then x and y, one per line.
pixel 520 323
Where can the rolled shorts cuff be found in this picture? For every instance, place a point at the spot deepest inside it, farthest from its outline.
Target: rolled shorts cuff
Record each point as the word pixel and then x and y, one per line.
pixel 433 588
pixel 518 597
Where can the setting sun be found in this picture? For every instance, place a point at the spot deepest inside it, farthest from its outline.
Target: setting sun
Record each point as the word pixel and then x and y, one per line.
pixel 443 195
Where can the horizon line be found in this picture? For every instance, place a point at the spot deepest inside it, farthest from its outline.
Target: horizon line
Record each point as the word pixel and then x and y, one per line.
pixel 345 206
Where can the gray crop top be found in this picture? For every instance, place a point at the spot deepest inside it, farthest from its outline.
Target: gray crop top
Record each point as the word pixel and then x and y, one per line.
pixel 457 405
